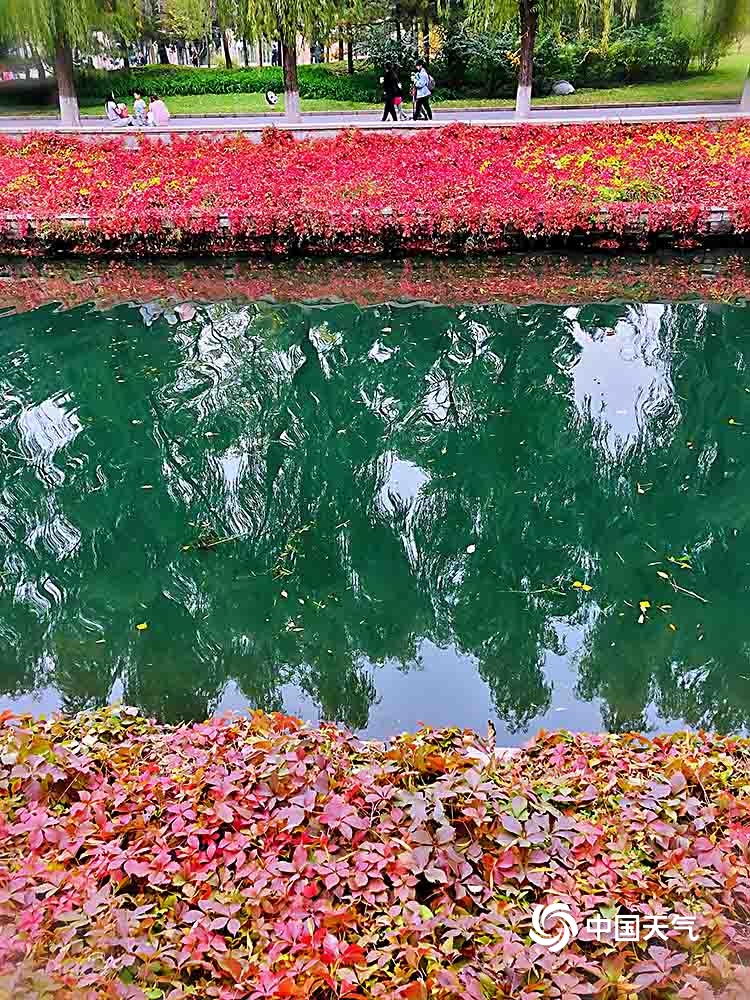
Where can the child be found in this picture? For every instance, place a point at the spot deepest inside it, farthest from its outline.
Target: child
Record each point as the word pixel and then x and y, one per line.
pixel 139 109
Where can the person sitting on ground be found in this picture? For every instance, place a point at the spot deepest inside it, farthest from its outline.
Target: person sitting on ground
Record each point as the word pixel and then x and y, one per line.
pixel 117 113
pixel 157 112
pixel 422 91
pixel 139 109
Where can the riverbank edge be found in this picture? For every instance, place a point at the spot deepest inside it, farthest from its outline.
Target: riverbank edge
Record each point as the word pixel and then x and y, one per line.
pixel 77 235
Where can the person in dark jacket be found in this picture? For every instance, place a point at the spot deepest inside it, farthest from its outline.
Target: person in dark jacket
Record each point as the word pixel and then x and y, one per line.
pixel 391 90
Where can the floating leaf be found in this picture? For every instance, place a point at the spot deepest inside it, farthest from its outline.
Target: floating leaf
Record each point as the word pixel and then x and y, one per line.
pixel 586 587
pixel 471 548
pixel 673 626
pixel 644 605
pixel 577 584
pixel 142 626
pixel 662 574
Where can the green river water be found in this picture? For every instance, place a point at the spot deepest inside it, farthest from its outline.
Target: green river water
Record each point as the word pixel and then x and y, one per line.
pixel 376 515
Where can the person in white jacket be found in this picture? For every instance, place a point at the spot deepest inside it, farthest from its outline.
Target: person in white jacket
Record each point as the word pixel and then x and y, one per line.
pixel 422 91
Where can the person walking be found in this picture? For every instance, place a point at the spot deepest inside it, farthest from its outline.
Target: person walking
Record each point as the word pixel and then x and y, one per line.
pixel 391 90
pixel 422 92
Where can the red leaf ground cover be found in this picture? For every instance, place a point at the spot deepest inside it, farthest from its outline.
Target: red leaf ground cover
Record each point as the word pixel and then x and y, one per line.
pixel 456 188
pixel 258 858
pixel 519 279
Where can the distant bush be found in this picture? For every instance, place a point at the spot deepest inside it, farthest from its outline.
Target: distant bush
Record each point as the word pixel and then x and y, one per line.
pixel 28 93
pixel 377 46
pixel 637 56
pixel 487 62
pixel 179 81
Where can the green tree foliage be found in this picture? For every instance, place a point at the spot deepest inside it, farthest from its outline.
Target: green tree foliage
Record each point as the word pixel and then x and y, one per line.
pixel 712 25
pixel 187 20
pixel 288 20
pixel 56 27
pixel 531 14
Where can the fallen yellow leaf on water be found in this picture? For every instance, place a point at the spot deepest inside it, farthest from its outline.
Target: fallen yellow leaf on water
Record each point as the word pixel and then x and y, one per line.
pixel 142 626
pixel 586 586
pixel 662 574
pixel 577 583
pixel 673 626
pixel 734 423
pixel 644 605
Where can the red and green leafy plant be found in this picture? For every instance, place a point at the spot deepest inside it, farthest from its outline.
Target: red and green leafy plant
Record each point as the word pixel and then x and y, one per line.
pixel 258 858
pixel 458 188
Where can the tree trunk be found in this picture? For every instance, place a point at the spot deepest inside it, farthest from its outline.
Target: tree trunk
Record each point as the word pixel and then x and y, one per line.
pixel 291 86
pixel 350 56
pixel 41 71
pixel 208 51
pixel 529 23
pixel 163 54
pixel 227 53
pixel 69 111
pixel 245 53
pixel 745 102
pixel 260 52
pixel 341 44
pixel 426 37
pixel 397 17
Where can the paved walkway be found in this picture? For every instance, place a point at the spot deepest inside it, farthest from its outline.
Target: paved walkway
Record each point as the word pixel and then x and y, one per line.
pixel 338 120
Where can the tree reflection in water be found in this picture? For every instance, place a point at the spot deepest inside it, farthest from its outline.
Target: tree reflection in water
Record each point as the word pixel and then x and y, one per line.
pixel 307 497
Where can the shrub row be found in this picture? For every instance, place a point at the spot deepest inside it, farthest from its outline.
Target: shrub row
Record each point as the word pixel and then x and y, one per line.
pixel 487 62
pixel 171 81
pixel 456 188
pixel 257 858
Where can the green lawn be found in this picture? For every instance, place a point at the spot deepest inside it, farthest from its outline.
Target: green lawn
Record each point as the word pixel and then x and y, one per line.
pixel 723 84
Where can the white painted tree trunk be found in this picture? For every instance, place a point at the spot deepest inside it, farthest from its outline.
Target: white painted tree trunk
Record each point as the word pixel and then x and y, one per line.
pixel 529 21
pixel 291 106
pixel 70 113
pixel 291 86
pixel 745 102
pixel 523 101
pixel 69 110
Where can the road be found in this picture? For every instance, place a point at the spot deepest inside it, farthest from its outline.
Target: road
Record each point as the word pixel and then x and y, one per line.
pixel 344 119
